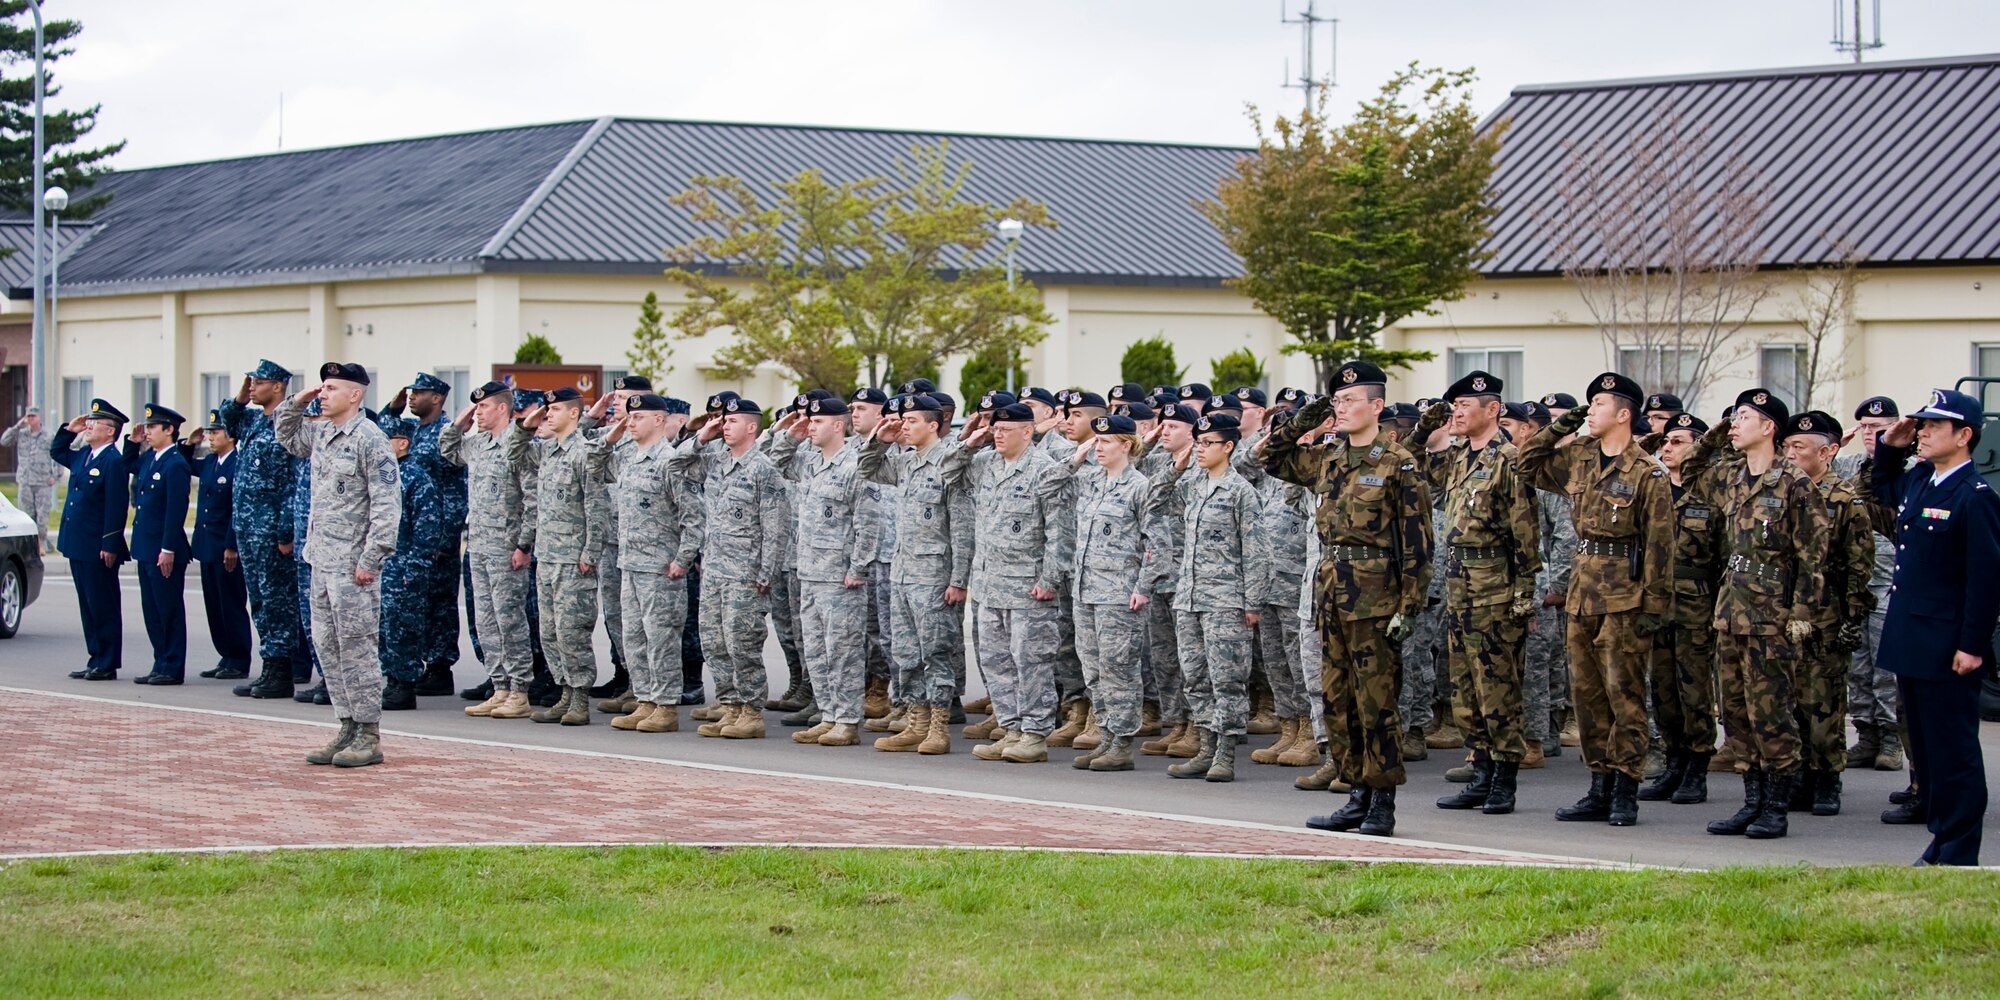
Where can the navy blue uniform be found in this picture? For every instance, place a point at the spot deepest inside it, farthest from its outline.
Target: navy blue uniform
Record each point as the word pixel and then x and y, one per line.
pixel 1943 601
pixel 160 483
pixel 93 524
pixel 223 593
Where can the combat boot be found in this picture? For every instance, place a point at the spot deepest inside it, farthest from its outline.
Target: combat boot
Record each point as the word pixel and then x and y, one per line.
pixel 1348 816
pixel 1662 787
pixel 324 755
pixel 1771 823
pixel 937 739
pixel 1092 736
pixel 1288 732
pixel 555 712
pixel 1694 781
pixel 1222 767
pixel 1624 800
pixel 514 706
pixel 875 699
pixel 1500 801
pixel 1188 744
pixel 1117 756
pixel 1303 752
pixel 576 712
pixel 1473 795
pixel 1445 738
pixel 993 750
pixel 1753 805
pixel 274 681
pixel 1890 756
pixel 1029 749
pixel 982 705
pixel 364 749
pixel 1867 743
pixel 812 735
pixel 984 729
pixel 618 686
pixel 708 713
pixel 713 727
pixel 436 681
pixel 748 725
pixel 843 734
pixel 665 719
pixel 1149 719
pixel 805 716
pixel 1414 747
pixel 1571 734
pixel 1156 748
pixel 1076 715
pixel 1594 807
pixel 1197 765
pixel 1826 795
pixel 478 692
pixel 1532 759
pixel 1381 819
pixel 1319 780
pixel 398 696
pixel 912 735
pixel 485 708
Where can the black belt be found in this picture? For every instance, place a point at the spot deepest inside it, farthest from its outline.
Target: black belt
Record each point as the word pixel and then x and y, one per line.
pixel 1603 547
pixel 1349 553
pixel 1476 552
pixel 1760 569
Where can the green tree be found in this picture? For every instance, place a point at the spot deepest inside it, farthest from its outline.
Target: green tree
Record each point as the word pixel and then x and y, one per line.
pixel 1235 369
pixel 985 372
pixel 1150 362
pixel 535 349
pixel 70 165
pixel 651 353
pixel 887 276
pixel 1345 230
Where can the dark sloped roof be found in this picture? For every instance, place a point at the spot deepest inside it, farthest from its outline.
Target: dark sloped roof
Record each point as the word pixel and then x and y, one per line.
pixel 1895 157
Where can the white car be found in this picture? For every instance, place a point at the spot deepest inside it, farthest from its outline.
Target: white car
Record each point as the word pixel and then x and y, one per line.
pixel 20 567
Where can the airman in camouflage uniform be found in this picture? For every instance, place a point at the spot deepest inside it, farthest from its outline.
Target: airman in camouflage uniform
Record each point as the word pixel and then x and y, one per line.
pixel 1774 531
pixel 1622 583
pixel 1493 553
pixel 407 575
pixel 660 524
pixel 1683 657
pixel 357 511
pixel 496 544
pixel 572 518
pixel 1375 552
pixel 1114 576
pixel 260 509
pixel 35 470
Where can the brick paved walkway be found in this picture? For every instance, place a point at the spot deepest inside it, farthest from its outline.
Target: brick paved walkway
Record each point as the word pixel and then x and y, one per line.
pixel 89 775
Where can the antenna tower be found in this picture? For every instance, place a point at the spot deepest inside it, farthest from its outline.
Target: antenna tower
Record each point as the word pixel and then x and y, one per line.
pixel 1308 20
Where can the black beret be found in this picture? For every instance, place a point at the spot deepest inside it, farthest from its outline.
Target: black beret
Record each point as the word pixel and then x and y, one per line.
pixel 1688 422
pixel 1357 373
pixel 631 383
pixel 826 407
pixel 1813 422
pixel 647 402
pixel 1182 412
pixel 1766 402
pixel 1476 383
pixel 1876 406
pixel 1664 401
pixel 1195 390
pixel 1617 385
pixel 1014 413
pixel 489 389
pixel 1116 423
pixel 869 394
pixel 566 394
pixel 344 372
pixel 1252 395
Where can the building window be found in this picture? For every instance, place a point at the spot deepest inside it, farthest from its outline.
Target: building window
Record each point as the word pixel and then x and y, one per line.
pixel 76 396
pixel 145 389
pixel 1781 368
pixel 214 389
pixel 1502 362
pixel 1663 369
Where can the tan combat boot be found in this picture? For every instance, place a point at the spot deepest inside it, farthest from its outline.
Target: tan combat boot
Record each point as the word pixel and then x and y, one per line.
pixel 631 721
pixel 1154 748
pixel 1092 736
pixel 983 729
pixel 1288 732
pixel 992 751
pixel 982 705
pixel 875 699
pixel 912 735
pixel 484 708
pixel 665 719
pixel 1149 719
pixel 1187 744
pixel 748 725
pixel 1027 750
pixel 1318 780
pixel 938 739
pixel 812 735
pixel 1303 752
pixel 1075 716
pixel 514 707
pixel 843 734
pixel 713 727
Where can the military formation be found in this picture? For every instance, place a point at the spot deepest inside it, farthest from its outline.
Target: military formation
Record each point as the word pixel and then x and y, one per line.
pixel 1368 581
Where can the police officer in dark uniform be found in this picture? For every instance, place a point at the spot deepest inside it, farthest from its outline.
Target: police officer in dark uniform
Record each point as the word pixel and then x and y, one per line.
pixel 160 482
pixel 223 594
pixel 92 537
pixel 1937 637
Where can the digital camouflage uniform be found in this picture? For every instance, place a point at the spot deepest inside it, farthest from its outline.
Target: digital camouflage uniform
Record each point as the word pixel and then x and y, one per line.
pixel 1547 671
pixel 1117 526
pixel 35 474
pixel 1375 558
pixel 1625 541
pixel 260 511
pixel 837 538
pixel 1492 552
pixel 1019 543
pixel 743 537
pixel 408 575
pixel 440 639
pixel 357 511
pixel 660 520
pixel 571 522
pixel 494 529
pixel 1822 681
pixel 1224 573
pixel 933 522
pixel 1683 656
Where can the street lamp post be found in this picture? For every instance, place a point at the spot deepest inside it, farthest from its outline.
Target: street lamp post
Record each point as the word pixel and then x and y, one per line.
pixel 55 201
pixel 1010 230
pixel 38 353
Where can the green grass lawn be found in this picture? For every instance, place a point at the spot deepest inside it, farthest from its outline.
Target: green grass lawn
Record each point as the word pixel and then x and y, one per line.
pixel 668 921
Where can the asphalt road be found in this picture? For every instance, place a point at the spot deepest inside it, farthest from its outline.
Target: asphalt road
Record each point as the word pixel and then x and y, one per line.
pixel 49 646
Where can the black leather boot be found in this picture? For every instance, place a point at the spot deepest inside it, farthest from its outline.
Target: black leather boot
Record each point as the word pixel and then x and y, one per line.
pixel 1624 800
pixel 398 696
pixel 1347 817
pixel 1663 787
pixel 1381 819
pixel 1473 795
pixel 1753 804
pixel 1500 800
pixel 1771 823
pixel 1694 780
pixel 1826 797
pixel 1594 807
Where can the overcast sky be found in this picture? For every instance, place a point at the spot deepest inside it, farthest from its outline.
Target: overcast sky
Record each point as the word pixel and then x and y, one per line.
pixel 200 79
